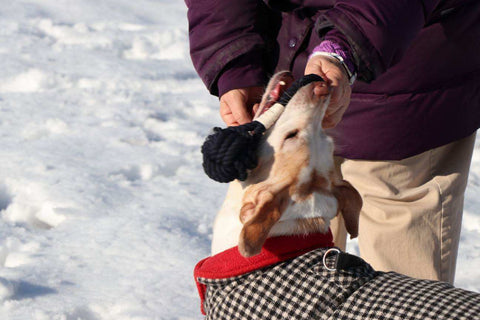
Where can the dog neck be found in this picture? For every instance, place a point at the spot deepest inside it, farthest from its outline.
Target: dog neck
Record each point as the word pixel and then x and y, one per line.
pixel 294 189
pixel 311 215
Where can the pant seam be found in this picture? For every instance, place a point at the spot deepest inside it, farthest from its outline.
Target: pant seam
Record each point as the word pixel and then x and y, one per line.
pixel 442 216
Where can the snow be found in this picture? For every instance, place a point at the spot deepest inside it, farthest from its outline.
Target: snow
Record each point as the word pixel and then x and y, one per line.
pixel 104 206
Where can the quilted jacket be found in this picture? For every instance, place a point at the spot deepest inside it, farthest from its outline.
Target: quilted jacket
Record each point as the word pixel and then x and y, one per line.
pixel 418 63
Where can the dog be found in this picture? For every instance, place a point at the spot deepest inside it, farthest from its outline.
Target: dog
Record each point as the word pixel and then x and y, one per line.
pixel 296 170
pixel 272 250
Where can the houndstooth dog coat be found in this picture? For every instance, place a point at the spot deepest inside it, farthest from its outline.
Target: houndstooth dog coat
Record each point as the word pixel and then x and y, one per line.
pixel 290 279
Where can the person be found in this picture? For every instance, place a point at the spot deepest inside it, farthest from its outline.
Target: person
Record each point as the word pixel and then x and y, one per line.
pixel 404 132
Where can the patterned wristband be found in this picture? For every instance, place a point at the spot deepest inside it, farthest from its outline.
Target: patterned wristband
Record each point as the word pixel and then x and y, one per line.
pixel 333 47
pixel 334 50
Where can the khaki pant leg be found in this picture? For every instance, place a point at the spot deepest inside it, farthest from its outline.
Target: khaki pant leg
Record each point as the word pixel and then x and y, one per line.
pixel 412 210
pixel 337 225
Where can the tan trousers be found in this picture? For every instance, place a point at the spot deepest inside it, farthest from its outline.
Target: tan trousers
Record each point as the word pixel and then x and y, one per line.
pixel 412 210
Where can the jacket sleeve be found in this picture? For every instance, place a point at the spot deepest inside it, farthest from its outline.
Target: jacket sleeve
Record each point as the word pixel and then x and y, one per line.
pixel 378 31
pixel 225 33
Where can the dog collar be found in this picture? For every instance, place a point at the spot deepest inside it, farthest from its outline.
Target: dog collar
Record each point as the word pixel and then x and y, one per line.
pixel 230 263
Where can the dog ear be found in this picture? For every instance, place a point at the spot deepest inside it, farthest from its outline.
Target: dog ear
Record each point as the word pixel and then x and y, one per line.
pixel 273 91
pixel 349 204
pixel 262 208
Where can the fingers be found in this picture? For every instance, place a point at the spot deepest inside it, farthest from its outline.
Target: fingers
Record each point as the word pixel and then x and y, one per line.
pixel 340 89
pixel 339 101
pixel 314 66
pixel 332 119
pixel 233 108
pixel 228 117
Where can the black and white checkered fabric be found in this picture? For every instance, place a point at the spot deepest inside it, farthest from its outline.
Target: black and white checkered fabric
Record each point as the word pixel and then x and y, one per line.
pixel 302 288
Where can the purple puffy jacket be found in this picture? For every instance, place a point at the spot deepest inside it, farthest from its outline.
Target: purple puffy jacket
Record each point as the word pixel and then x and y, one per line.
pixel 418 63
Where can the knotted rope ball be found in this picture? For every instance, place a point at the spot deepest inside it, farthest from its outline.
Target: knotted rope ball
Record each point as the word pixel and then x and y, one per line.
pixel 228 153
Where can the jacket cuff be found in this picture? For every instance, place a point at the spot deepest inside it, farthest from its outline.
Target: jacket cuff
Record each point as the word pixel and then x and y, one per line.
pixel 245 71
pixel 335 42
pixel 336 37
pixel 365 55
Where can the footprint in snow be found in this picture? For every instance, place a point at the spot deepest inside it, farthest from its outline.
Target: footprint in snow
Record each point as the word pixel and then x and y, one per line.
pixel 35 131
pixel 25 204
pixel 145 172
pixel 5 198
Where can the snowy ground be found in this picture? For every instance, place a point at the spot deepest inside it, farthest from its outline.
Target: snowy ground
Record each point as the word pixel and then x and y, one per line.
pixel 104 207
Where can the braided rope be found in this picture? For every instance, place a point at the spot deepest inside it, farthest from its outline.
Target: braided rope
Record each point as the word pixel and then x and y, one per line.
pixel 228 153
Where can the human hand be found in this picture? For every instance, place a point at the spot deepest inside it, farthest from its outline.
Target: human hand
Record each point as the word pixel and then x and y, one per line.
pixel 332 71
pixel 237 106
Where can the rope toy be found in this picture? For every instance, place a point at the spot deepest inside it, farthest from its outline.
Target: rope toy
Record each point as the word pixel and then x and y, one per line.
pixel 228 153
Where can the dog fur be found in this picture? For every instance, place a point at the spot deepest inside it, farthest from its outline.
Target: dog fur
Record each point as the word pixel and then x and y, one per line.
pixel 294 189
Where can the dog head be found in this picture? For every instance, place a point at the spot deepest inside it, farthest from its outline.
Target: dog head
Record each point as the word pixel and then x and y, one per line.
pixel 295 181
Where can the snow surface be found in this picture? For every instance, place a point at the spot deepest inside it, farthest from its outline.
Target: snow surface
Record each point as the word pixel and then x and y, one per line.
pixel 103 202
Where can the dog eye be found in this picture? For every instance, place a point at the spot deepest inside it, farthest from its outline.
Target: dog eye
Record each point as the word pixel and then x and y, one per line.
pixel 291 134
